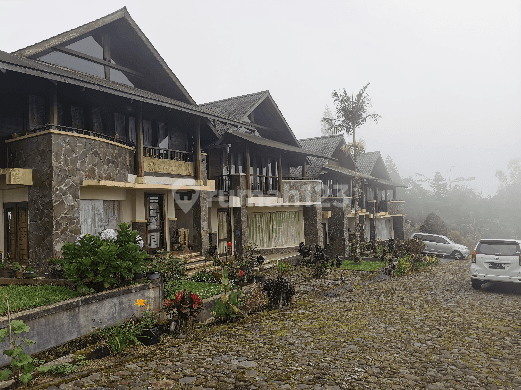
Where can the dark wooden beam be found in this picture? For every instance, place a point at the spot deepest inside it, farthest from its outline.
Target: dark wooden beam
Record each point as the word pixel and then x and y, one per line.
pixel 279 166
pixel 53 103
pixel 106 54
pixel 248 169
pixel 198 148
pixel 139 139
pixel 304 171
pixel 75 53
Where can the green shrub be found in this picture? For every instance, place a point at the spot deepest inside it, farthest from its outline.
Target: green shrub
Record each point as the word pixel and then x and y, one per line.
pixel 98 262
pixel 27 297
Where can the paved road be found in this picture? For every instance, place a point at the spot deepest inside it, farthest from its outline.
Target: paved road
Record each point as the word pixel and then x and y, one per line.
pixel 429 330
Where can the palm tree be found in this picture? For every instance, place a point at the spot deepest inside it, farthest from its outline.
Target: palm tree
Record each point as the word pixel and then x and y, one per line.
pixel 351 113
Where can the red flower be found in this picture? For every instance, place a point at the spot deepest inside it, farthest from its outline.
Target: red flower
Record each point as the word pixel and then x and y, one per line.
pixel 196 300
pixel 241 273
pixel 179 296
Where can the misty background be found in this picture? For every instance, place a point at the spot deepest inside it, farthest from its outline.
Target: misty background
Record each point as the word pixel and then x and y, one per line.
pixel 445 77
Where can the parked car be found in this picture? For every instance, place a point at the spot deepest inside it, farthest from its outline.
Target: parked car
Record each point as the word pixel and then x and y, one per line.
pixel 442 246
pixel 496 260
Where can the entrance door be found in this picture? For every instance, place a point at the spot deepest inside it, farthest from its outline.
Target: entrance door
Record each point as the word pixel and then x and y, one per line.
pixel 15 228
pixel 224 230
pixel 155 222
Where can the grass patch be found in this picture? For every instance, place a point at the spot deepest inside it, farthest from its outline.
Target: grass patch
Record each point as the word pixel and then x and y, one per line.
pixel 363 265
pixel 27 296
pixel 202 289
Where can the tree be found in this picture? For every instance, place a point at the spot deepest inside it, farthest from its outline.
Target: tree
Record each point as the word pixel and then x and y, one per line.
pixel 323 126
pixel 352 113
pixel 434 225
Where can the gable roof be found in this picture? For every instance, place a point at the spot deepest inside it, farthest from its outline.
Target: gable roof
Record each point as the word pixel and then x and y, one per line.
pixel 240 107
pixel 326 146
pixel 371 163
pixel 129 35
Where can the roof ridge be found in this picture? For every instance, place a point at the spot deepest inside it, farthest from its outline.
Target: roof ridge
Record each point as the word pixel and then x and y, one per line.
pixel 234 97
pixel 123 11
pixel 323 136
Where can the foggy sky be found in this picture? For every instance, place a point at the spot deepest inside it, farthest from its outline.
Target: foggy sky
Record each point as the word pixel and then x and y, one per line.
pixel 445 75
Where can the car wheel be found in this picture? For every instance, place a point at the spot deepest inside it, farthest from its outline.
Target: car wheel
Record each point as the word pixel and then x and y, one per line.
pixel 457 255
pixel 476 283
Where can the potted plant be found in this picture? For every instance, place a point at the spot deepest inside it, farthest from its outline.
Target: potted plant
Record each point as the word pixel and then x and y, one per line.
pixel 148 324
pixel 5 272
pixel 17 269
pixel 29 273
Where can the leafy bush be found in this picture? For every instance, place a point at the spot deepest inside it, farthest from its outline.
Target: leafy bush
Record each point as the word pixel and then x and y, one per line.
pixel 279 291
pixel 20 361
pixel 315 258
pixel 255 300
pixel 202 289
pixel 408 264
pixel 228 307
pixel 98 262
pixel 205 277
pixel 183 309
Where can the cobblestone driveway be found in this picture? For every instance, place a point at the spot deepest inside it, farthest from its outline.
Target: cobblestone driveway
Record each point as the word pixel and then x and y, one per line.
pixel 428 330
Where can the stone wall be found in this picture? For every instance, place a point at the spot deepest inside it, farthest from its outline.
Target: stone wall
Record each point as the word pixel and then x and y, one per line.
pixel 396 207
pixel 200 223
pixel 60 163
pixel 240 227
pixel 398 227
pixel 338 225
pixel 294 191
pixel 313 225
pixel 35 153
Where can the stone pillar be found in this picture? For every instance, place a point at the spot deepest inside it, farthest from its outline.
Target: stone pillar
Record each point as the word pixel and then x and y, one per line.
pixel 139 144
pixel 398 227
pixel 173 235
pixel 372 231
pixel 313 225
pixel 338 226
pixel 200 223
pixel 361 221
pixel 240 228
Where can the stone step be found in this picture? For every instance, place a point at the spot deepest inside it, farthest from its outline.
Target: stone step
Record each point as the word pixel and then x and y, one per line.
pixel 272 260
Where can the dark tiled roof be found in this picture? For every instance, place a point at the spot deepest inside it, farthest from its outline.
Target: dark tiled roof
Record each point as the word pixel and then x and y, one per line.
pixel 326 146
pixel 267 142
pixel 122 13
pixel 236 107
pixel 38 68
pixel 366 162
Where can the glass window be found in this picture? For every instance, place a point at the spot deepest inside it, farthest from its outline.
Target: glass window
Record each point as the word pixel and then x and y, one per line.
pixel 75 63
pixel 500 248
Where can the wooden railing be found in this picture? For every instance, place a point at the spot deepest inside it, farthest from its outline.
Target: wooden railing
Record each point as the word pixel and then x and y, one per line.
pixel 167 154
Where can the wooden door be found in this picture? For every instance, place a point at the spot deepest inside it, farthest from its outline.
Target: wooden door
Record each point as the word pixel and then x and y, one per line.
pixel 224 230
pixel 15 229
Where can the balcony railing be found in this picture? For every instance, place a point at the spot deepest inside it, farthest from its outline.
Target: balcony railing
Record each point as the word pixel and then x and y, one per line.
pixel 223 183
pixel 265 184
pixel 167 154
pixel 73 130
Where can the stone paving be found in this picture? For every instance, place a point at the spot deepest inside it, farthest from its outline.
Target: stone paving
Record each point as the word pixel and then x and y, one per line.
pixel 429 330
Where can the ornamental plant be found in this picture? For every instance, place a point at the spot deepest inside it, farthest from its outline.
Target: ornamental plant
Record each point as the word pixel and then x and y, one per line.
pixel 314 257
pixel 279 292
pixel 228 307
pixel 98 262
pixel 183 309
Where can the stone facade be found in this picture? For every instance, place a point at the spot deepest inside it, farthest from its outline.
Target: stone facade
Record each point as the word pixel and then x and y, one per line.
pixel 313 225
pixel 200 223
pixel 172 231
pixel 172 167
pixel 338 225
pixel 398 227
pixel 60 163
pixel 396 207
pixel 240 224
pixel 294 191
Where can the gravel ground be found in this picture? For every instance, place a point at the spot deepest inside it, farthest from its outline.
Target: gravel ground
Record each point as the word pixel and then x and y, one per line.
pixel 429 330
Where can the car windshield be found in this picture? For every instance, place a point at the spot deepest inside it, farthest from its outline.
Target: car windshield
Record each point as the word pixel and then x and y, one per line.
pixel 498 248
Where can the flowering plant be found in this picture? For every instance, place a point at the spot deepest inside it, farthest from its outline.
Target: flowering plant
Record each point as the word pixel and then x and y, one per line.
pixel 184 308
pixel 148 318
pixel 97 262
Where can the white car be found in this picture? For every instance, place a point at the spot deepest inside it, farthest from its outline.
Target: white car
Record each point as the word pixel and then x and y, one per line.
pixel 442 246
pixel 496 260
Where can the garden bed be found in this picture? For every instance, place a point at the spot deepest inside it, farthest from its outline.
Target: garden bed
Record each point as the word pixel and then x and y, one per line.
pixel 61 322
